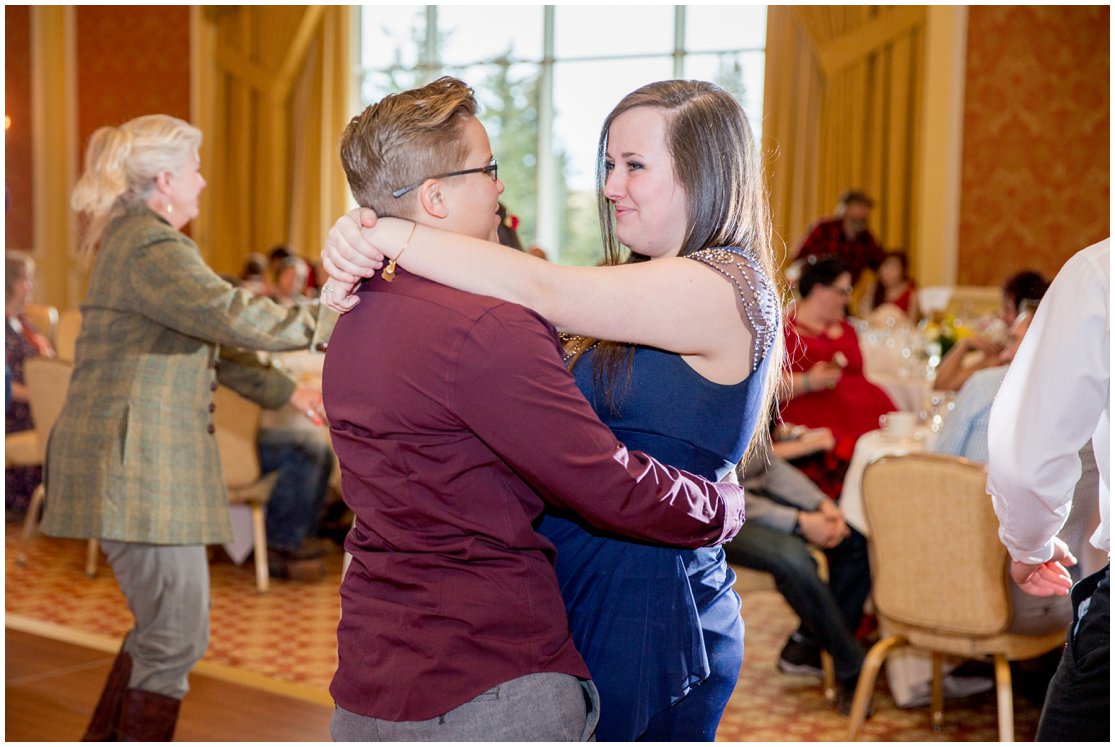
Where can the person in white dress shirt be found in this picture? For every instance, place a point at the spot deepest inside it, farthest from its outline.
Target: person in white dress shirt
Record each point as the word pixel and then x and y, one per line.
pixel 1055 397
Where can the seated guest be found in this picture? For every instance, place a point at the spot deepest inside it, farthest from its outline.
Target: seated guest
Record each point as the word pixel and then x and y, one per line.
pixel 894 287
pixel 21 341
pixel 829 388
pixel 254 275
pixel 304 461
pixel 1021 290
pixel 964 432
pixel 845 236
pixel 290 281
pixel 785 510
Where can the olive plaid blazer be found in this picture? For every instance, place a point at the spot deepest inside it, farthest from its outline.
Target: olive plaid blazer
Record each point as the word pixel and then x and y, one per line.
pixel 132 456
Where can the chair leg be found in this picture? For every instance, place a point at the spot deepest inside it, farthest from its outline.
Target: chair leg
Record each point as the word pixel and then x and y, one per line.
pixel 259 538
pixel 866 684
pixel 1005 698
pixel 937 697
pixel 30 525
pixel 92 555
pixel 828 668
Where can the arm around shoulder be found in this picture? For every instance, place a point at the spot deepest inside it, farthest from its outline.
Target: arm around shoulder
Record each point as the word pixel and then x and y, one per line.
pixel 174 287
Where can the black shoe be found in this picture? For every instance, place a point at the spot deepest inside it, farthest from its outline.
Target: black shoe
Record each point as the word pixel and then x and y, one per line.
pixel 846 694
pixel 308 550
pixel 799 656
pixel 310 569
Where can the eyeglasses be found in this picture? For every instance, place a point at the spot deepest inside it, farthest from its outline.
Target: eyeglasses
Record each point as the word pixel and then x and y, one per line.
pixel 492 168
pixel 844 290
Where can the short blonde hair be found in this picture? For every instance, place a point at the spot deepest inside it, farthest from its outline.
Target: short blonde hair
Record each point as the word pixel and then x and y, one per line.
pixel 404 138
pixel 121 164
pixel 17 266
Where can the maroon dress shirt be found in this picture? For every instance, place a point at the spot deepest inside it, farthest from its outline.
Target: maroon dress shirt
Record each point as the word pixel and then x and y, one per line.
pixel 454 419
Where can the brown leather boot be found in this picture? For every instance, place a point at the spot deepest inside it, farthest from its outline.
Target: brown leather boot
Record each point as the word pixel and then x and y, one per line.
pixel 102 727
pixel 147 717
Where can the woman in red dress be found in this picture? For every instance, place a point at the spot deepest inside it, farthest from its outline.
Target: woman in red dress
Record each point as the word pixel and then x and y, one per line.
pixel 829 387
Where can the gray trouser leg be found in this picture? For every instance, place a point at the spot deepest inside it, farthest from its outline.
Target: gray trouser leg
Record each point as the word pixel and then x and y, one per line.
pixel 547 707
pixel 167 588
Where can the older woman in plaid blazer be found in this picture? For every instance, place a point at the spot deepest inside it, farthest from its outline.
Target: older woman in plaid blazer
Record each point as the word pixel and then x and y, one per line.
pixel 132 460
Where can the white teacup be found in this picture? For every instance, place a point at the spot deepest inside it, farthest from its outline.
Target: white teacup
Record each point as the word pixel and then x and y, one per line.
pixel 899 424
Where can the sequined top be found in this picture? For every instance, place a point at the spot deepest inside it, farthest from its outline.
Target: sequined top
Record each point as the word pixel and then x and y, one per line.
pixel 756 297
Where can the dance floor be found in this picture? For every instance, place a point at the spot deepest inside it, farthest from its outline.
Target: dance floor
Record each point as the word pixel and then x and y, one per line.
pixel 284 642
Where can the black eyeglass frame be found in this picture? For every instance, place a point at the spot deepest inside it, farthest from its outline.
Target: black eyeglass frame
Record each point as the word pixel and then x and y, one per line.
pixel 492 168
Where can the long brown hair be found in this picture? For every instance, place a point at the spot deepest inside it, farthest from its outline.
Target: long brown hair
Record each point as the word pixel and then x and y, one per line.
pixel 716 161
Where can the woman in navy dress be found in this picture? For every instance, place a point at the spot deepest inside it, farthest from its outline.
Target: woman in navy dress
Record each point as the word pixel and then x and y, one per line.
pixel 689 287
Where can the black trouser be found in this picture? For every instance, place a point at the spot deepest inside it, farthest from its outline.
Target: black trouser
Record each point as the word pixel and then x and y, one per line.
pixel 1077 706
pixel 829 613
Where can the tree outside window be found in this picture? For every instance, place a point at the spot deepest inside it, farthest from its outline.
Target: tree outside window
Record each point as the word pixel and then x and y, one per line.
pixel 530 99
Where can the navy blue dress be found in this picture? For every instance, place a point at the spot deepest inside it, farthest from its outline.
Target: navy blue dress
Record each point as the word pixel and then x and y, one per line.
pixel 659 628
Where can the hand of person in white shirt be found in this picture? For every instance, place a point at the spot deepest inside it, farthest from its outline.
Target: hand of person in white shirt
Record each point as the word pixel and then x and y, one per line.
pixel 1045 579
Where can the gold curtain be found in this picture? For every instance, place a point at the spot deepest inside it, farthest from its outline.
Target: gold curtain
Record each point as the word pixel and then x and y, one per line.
pixel 276 87
pixel 842 106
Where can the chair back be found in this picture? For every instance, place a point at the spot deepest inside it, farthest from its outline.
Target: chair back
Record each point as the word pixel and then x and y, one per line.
pixel 48 382
pixel 936 559
pixel 237 431
pixel 972 301
pixel 43 318
pixel 66 333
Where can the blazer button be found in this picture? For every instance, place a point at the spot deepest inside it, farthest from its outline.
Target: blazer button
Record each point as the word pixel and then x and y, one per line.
pixel 212 428
pixel 212 386
pixel 212 407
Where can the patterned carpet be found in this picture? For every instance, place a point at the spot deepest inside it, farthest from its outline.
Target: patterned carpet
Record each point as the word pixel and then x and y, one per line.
pixel 286 640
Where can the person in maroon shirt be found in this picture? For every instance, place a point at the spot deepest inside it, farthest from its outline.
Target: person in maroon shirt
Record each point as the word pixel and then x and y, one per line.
pixel 845 236
pixel 454 419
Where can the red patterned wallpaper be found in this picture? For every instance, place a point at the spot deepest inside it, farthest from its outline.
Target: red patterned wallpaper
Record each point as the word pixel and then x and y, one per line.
pixel 19 188
pixel 1036 163
pixel 131 60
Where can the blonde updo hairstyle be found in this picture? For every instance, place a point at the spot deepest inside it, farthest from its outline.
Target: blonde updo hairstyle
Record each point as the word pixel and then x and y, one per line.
pixel 121 165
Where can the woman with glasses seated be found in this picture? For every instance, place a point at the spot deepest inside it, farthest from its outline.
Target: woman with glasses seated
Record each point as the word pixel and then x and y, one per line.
pixel 829 388
pixel 678 351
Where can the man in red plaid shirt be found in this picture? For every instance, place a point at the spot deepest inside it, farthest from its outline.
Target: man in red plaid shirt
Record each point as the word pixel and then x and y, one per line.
pixel 845 236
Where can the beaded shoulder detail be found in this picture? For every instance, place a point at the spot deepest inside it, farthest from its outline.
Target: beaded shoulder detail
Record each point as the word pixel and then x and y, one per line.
pixel 756 298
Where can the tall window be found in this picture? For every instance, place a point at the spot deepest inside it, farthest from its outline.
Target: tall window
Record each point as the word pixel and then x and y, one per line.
pixel 546 76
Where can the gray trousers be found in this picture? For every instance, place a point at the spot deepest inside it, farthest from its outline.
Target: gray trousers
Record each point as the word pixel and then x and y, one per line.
pixel 541 707
pixel 167 588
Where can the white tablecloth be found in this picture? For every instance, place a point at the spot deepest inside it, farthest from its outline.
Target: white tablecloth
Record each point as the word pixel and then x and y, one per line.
pixel 869 446
pixel 891 360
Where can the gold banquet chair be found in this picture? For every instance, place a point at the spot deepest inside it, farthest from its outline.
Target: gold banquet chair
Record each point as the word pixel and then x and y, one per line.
pixel 66 333
pixel 237 432
pixel 43 318
pixel 48 381
pixel 750 579
pixel 939 575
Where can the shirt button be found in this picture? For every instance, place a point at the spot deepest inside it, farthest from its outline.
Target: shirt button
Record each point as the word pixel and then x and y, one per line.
pixel 212 407
pixel 212 386
pixel 212 428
